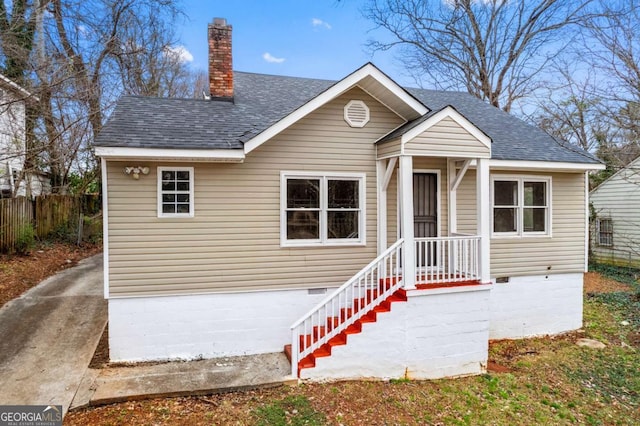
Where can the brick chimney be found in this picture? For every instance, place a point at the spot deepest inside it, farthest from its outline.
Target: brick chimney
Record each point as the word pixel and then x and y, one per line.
pixel 220 60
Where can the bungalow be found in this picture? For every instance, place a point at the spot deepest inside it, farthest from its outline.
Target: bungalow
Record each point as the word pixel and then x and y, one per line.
pixel 374 230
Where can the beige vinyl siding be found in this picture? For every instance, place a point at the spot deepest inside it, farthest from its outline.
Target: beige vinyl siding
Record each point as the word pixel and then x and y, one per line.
pixel 466 212
pixel 563 252
pixel 389 148
pixel 618 199
pixel 233 242
pixel 447 139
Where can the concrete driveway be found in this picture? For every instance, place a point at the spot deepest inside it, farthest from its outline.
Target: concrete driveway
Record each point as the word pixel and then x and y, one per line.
pixel 49 334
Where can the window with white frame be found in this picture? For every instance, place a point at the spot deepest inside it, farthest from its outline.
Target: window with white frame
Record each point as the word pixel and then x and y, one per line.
pixel 605 232
pixel 322 209
pixel 521 206
pixel 175 191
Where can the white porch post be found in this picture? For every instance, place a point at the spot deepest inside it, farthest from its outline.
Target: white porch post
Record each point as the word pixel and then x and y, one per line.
pixel 453 197
pixel 483 207
pixel 382 206
pixel 384 171
pixel 406 210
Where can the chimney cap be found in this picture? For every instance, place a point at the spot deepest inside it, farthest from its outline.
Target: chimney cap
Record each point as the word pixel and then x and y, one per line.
pixel 219 22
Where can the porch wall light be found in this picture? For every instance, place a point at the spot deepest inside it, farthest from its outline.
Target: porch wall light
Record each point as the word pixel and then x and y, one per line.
pixel 135 171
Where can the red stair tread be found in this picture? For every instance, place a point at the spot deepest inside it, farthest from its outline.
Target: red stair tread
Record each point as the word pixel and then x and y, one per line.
pixel 322 351
pixel 369 317
pixel 332 322
pixel 354 328
pixel 339 340
pixel 287 352
pixel 307 362
pixel 447 285
pixel 383 307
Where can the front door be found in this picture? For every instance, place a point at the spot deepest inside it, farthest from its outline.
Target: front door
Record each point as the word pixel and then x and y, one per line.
pixel 425 205
pixel 425 216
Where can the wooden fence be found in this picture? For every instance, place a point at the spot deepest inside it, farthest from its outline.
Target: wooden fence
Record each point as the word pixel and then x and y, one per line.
pixel 53 212
pixel 43 216
pixel 16 214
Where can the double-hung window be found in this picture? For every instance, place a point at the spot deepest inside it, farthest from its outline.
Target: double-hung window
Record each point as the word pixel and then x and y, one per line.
pixel 605 232
pixel 175 191
pixel 521 206
pixel 322 209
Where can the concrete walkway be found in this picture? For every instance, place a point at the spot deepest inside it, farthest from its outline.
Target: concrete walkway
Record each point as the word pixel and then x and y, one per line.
pixel 49 334
pixel 124 383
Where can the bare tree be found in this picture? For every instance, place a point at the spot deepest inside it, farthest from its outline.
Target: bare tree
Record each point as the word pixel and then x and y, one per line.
pixel 570 110
pixel 150 62
pixel 78 57
pixel 611 46
pixel 616 50
pixel 494 49
pixel 17 26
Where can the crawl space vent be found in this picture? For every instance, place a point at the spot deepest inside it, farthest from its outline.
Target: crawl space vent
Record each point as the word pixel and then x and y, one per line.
pixel 356 113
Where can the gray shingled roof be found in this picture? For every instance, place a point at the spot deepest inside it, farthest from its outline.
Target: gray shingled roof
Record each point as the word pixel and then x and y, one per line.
pixel 513 139
pixel 261 100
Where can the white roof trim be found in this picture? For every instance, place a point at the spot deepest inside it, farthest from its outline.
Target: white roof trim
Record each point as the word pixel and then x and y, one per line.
pixel 382 102
pixel 16 87
pixel 629 166
pixel 448 112
pixel 225 155
pixel 541 165
pixel 328 95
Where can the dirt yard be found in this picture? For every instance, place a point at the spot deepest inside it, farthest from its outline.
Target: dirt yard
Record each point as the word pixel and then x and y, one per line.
pixel 18 273
pixel 596 283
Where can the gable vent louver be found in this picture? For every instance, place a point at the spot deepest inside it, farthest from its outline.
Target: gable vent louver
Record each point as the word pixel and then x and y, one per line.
pixel 356 113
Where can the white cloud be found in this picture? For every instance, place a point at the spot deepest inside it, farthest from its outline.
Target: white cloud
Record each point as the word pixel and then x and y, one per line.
pixel 270 58
pixel 320 23
pixel 179 52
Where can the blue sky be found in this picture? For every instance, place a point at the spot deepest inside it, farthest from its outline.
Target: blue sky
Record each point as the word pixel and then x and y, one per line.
pixel 304 38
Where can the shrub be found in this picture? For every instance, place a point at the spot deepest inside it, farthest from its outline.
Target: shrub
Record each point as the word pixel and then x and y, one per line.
pixel 92 229
pixel 26 238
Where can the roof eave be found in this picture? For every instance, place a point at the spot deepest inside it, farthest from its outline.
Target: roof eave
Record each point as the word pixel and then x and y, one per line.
pixel 163 154
pixel 10 84
pixel 543 166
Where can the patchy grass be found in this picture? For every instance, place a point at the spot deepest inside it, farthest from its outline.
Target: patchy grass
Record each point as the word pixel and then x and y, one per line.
pixel 546 380
pixel 292 410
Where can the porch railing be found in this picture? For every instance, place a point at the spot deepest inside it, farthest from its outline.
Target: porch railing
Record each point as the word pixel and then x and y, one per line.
pixel 349 303
pixel 447 259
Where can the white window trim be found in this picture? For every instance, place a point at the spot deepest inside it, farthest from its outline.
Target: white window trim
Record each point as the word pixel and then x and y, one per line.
pixel 599 235
pixel 520 179
pixel 323 241
pixel 191 192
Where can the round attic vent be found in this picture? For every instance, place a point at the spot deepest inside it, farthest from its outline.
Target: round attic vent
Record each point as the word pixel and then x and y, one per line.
pixel 356 113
